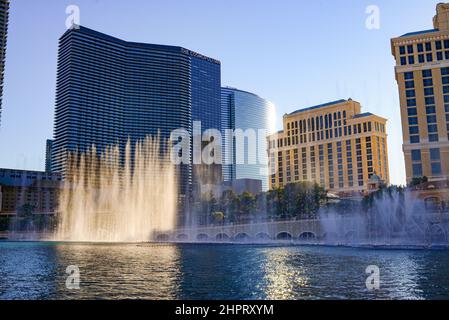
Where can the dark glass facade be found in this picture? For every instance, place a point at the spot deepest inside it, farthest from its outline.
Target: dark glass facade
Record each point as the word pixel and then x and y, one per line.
pixel 206 108
pixel 206 85
pixel 110 90
pixel 4 10
pixel 48 151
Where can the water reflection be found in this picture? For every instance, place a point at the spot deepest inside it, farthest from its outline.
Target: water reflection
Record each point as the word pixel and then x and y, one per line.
pixel 283 277
pixel 107 271
pixel 221 272
pixel 26 271
pixel 130 271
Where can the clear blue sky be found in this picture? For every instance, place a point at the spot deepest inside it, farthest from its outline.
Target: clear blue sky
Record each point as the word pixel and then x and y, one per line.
pixel 294 53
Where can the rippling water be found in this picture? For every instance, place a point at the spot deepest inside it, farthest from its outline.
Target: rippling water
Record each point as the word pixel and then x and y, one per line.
pixel 130 271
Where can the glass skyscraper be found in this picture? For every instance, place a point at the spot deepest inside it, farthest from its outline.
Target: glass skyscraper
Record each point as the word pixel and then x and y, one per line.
pixel 4 8
pixel 110 90
pixel 246 111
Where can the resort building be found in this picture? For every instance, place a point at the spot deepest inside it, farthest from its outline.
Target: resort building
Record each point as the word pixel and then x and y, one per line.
pixel 332 144
pixel 254 117
pixel 4 12
pixel 110 90
pixel 35 189
pixel 422 74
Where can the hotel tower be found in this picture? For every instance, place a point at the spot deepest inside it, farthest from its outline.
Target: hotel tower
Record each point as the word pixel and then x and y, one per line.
pixel 332 144
pixel 110 91
pixel 422 74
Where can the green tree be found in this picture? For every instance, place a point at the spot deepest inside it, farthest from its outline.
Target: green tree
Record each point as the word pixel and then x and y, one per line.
pixel 229 204
pixel 417 181
pixel 218 217
pixel 247 205
pixel 276 205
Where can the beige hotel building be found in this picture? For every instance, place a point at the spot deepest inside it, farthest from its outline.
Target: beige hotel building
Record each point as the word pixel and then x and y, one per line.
pixel 422 74
pixel 333 144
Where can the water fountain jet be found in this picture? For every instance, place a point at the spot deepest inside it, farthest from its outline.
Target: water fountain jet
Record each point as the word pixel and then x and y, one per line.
pixel 109 198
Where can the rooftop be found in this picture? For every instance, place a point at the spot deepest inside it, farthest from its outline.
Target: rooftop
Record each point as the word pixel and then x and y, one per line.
pixel 419 32
pixel 362 115
pixel 319 106
pixel 228 88
pixel 161 47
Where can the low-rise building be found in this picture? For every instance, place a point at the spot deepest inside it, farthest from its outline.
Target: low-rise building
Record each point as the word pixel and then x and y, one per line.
pixel 34 189
pixel 238 186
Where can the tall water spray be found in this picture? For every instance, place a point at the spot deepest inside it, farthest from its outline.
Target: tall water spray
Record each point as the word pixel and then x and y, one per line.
pixel 392 218
pixel 106 199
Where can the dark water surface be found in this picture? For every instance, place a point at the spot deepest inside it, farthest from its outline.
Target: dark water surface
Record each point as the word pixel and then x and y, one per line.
pixel 32 270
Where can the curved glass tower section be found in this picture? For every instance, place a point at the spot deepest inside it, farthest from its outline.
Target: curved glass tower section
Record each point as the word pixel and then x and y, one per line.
pixel 110 90
pixel 247 113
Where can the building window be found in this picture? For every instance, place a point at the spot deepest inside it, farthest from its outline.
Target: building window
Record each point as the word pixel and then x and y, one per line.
pixel 412 111
pixel 413 121
pixel 410 84
pixel 427 73
pixel 429 100
pixel 427 82
pixel 431 119
pixel 436 169
pixel 416 155
pixel 417 170
pixel 432 128
pixel 435 154
pixel 435 157
pixel 408 75
pixel 403 61
pixel 428 91
pixel 410 93
pixel 414 130
pixel 420 47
